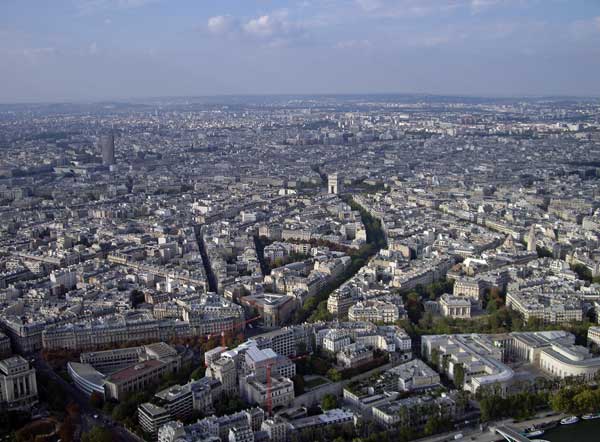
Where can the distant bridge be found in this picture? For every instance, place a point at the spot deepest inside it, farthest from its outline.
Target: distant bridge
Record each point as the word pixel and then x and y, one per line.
pixel 511 434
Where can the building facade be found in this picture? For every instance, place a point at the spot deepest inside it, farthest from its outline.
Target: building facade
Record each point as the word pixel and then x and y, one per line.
pixel 18 384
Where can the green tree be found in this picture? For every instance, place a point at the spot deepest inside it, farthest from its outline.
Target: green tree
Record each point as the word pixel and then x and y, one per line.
pixel 329 402
pixel 334 375
pixel 108 407
pixel 562 400
pixel 462 402
pixel 582 272
pixel 97 434
pixel 434 357
pixel 229 405
pixel 198 373
pixel 414 307
pixel 492 306
pixel 459 375
pixel 436 424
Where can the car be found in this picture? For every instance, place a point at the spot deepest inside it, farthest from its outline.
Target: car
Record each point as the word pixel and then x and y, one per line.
pixel 95 416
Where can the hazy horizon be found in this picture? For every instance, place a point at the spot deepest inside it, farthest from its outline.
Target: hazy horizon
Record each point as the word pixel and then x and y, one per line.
pixel 140 99
pixel 98 50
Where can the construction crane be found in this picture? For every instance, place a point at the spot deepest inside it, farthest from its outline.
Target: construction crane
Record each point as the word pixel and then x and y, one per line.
pixel 269 401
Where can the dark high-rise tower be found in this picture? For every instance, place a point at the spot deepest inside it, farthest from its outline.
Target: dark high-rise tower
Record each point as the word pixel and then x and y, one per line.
pixel 107 144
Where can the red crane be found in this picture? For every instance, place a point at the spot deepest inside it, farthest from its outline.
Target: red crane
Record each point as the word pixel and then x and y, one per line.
pixel 269 393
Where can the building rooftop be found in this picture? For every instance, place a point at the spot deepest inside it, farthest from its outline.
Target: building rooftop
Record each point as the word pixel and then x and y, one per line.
pixel 134 371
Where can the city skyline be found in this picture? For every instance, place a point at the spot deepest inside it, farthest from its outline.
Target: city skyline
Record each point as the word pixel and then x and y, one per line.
pixel 210 269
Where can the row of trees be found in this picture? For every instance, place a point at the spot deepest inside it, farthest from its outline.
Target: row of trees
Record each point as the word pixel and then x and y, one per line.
pixel 363 432
pixel 570 395
pixel 576 399
pixel 518 406
pixel 585 274
pixel 375 234
pixel 317 310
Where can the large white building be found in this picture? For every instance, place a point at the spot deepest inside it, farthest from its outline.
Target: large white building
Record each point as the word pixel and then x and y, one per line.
pixel 412 375
pixel 483 359
pixel 555 353
pixel 177 402
pixel 198 316
pixel 476 356
pixel 18 385
pixel 152 417
pixel 374 311
pixel 354 355
pixel 116 373
pixel 336 340
pixel 455 306
pixel 550 308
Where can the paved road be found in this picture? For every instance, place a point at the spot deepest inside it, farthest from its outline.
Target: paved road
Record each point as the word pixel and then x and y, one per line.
pixel 87 420
pixel 486 435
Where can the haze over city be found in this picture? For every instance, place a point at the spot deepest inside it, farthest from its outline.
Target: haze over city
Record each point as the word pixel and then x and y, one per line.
pixel 105 49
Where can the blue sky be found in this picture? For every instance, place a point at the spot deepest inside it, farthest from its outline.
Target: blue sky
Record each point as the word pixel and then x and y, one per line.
pixel 54 50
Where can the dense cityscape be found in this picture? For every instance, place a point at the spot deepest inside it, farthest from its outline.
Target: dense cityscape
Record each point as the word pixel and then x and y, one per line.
pixel 285 268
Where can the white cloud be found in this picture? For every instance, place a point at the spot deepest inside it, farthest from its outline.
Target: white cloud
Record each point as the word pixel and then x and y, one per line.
pixel 276 28
pixel 263 26
pixel 277 23
pixel 222 24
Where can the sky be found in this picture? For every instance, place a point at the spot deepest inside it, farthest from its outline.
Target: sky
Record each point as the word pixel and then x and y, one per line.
pixel 74 50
